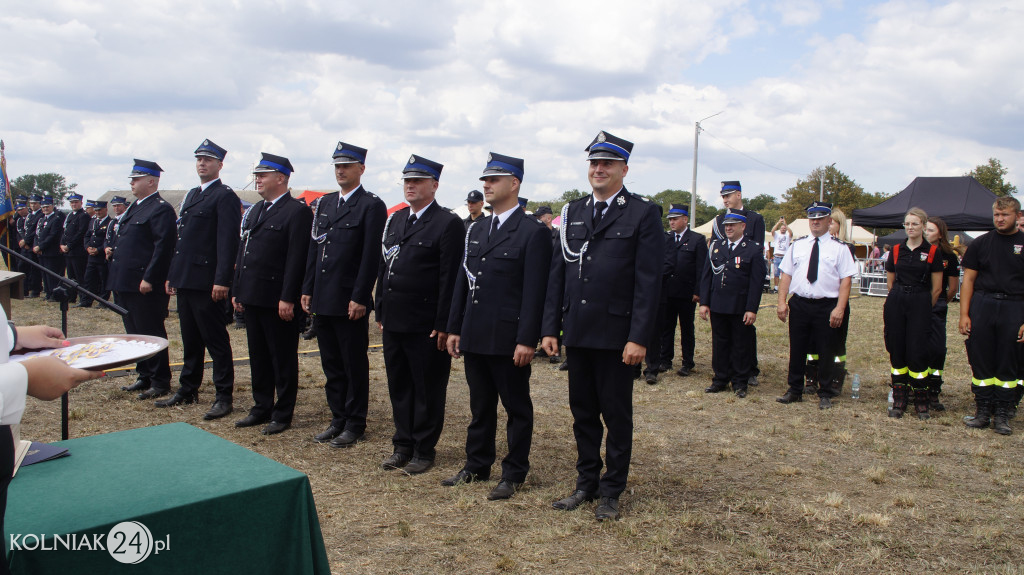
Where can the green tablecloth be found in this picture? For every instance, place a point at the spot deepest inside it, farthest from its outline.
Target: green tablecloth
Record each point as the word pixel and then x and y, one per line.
pixel 224 508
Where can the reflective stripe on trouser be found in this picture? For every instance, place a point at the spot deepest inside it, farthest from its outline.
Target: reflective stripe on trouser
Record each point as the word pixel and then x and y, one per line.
pixel 992 348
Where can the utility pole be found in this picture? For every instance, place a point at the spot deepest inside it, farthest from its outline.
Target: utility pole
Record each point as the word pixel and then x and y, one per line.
pixel 693 188
pixel 821 194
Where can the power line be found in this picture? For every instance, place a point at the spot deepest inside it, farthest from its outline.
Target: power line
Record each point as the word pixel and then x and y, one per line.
pixel 748 156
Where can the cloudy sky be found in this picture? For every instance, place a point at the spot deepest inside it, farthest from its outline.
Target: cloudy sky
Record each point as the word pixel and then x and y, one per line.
pixel 886 90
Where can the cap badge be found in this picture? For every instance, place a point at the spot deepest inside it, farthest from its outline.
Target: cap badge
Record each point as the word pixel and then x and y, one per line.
pixel 601 137
pixel 412 159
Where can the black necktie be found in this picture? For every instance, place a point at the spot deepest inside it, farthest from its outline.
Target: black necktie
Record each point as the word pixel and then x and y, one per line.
pixel 263 212
pixel 412 219
pixel 812 266
pixel 599 213
pixel 494 226
pixel 679 238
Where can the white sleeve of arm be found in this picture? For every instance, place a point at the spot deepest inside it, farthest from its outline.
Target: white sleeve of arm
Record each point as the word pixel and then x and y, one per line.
pixel 13 388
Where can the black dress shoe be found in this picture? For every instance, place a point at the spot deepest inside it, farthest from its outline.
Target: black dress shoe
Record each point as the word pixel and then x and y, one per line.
pixel 753 381
pixel 683 371
pixel 219 410
pixel 578 497
pixel 665 366
pixel 825 403
pixel 564 366
pixel 790 397
pixel 741 393
pixel 154 392
pixel 347 439
pixel 140 384
pixel 328 434
pixel 504 490
pixel 555 359
pixel 715 389
pixel 396 461
pixel 178 399
pixel 651 378
pixel 418 465
pixel 608 508
pixel 463 476
pixel 275 427
pixel 251 420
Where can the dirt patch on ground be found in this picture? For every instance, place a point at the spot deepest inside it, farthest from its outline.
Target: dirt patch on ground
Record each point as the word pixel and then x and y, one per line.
pixel 718 484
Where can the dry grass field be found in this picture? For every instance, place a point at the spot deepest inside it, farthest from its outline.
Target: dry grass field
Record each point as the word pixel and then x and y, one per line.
pixel 717 485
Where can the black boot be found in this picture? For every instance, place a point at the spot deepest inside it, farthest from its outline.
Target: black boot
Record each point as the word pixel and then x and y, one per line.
pixel 934 390
pixel 899 400
pixel 921 402
pixel 1001 421
pixel 811 378
pixel 838 378
pixel 982 415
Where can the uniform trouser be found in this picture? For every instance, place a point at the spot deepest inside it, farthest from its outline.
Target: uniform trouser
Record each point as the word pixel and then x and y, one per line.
pixel 679 310
pixel 732 357
pixel 906 314
pixel 76 270
pixel 809 329
pixel 418 385
pixel 937 336
pixel 273 361
pixel 343 344
pixel 33 277
pixel 95 279
pixel 490 378
pixel 146 314
pixel 202 328
pixel 653 357
pixel 838 358
pixel 601 387
pixel 56 265
pixel 992 349
pixel 6 470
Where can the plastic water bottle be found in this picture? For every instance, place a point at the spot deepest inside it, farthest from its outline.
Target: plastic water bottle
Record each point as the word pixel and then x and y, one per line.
pixel 890 398
pixel 855 386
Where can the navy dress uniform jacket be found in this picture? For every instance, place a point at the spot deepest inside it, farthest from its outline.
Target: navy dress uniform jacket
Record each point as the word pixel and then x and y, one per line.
pixel 272 258
pixel 614 299
pixel 31 222
pixel 684 263
pixel 415 293
pixel 511 268
pixel 738 288
pixel 76 224
pixel 96 237
pixel 48 234
pixel 144 246
pixel 343 266
pixel 207 243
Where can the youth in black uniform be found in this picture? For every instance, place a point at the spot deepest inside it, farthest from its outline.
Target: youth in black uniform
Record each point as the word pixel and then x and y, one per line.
pixel 341 266
pixel 603 290
pixel 914 277
pixel 730 294
pixel 937 234
pixel 686 252
pixel 72 241
pixel 47 244
pixel 96 266
pixel 267 285
pixel 201 273
pixel 992 316
pixel 495 324
pixel 422 247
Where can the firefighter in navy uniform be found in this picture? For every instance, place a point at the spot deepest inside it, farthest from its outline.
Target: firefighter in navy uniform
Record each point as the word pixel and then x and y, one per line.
pixel 96 265
pixel 138 269
pixel 201 273
pixel 685 253
pixel 992 317
pixel 422 247
pixel 269 268
pixel 495 323
pixel 72 241
pixel 20 219
pixel 914 277
pixel 475 205
pixel 33 276
pixel 730 295
pixel 47 244
pixel 603 289
pixel 341 267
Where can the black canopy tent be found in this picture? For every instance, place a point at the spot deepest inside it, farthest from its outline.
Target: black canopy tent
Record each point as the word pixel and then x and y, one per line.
pixel 962 202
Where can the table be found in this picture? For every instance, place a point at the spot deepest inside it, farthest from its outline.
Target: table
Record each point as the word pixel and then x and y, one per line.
pixel 221 507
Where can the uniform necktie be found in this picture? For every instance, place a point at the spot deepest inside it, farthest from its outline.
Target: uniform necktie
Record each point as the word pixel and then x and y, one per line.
pixel 263 212
pixel 679 238
pixel 812 266
pixel 494 226
pixel 412 219
pixel 599 208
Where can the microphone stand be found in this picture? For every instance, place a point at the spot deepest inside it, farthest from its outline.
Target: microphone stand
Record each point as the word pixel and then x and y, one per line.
pixel 62 295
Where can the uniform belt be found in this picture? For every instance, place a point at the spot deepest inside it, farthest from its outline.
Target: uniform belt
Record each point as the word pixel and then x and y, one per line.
pixel 909 288
pixel 815 298
pixel 997 295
